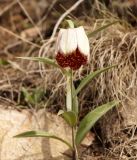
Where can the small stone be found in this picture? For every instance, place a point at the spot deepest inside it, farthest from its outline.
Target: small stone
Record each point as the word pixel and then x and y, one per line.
pixel 88 140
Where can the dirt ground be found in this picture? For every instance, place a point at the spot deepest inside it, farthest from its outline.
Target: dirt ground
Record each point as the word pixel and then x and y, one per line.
pixel 26 25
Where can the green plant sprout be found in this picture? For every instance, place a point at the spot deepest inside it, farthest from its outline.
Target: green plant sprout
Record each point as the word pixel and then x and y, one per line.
pixel 33 97
pixel 72 51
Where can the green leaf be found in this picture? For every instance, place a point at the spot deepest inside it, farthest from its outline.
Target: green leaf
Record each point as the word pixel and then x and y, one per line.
pixel 3 62
pixel 37 95
pixel 46 61
pixel 91 118
pixel 42 134
pixel 90 77
pixel 100 29
pixel 70 23
pixel 75 106
pixel 27 95
pixel 69 116
pixel 33 97
pixel 41 59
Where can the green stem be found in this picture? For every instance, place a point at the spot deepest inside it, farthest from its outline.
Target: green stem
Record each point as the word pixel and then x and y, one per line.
pixel 69 91
pixel 75 152
pixel 69 104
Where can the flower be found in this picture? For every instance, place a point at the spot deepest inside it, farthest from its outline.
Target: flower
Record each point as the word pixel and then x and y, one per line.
pixel 72 48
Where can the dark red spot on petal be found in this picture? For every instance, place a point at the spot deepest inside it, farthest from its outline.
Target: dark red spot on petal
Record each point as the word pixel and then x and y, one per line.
pixel 74 60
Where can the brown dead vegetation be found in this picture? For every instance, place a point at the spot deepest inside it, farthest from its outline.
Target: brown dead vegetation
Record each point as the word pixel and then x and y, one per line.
pixel 23 27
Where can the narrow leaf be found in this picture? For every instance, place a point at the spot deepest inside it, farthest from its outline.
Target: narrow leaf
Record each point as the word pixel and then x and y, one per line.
pixel 28 97
pixel 41 134
pixel 37 95
pixel 46 61
pixel 100 29
pixel 75 106
pixel 91 118
pixel 70 23
pixel 69 116
pixel 89 77
pixel 41 59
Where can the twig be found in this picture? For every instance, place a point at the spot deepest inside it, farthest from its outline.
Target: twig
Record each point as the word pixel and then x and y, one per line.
pixel 7 7
pixel 47 13
pixel 19 37
pixel 74 6
pixel 64 15
pixel 10 46
pixel 30 19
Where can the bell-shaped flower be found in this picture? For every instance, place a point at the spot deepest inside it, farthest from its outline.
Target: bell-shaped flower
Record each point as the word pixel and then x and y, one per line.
pixel 72 48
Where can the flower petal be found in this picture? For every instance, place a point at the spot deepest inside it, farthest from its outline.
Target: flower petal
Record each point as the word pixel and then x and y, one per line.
pixel 83 42
pixel 68 41
pixel 58 40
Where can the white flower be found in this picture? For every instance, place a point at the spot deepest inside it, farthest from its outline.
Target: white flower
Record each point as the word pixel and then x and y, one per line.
pixel 72 48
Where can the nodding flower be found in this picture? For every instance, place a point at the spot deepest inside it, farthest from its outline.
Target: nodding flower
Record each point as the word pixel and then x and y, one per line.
pixel 72 48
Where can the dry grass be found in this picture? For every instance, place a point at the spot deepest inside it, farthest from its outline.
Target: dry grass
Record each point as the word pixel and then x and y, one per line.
pixel 115 45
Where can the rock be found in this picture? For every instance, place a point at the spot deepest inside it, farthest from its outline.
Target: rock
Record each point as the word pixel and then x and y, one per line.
pixel 88 140
pixel 13 122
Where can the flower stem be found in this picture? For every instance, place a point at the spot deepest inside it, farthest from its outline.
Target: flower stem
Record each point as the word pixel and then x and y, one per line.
pixel 75 152
pixel 69 91
pixel 69 103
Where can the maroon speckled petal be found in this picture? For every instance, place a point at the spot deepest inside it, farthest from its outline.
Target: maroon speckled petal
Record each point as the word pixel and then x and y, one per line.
pixel 74 60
